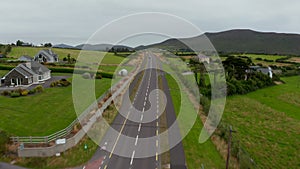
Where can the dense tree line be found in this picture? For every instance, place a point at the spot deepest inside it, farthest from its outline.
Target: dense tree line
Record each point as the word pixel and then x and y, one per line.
pixel 239 78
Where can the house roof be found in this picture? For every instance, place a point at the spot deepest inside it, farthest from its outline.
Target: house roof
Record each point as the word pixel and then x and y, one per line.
pixel 24 67
pixel 264 70
pixel 23 71
pixel 30 68
pixel 38 68
pixel 26 56
pixel 47 53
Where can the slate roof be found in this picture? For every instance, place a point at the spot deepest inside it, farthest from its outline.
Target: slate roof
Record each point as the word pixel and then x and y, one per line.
pixel 48 53
pixel 35 68
pixel 23 71
pixel 38 68
pixel 27 57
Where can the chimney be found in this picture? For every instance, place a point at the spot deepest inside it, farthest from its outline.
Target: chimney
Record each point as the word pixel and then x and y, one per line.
pixel 28 64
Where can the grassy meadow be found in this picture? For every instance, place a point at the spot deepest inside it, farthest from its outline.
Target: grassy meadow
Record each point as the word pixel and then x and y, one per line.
pixel 267 122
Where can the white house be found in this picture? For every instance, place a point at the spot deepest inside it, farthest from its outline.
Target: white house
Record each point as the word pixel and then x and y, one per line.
pixel 46 56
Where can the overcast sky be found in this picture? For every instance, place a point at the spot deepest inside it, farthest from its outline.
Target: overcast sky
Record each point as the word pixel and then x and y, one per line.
pixel 74 21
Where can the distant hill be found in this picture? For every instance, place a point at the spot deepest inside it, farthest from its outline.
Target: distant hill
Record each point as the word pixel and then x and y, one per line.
pixel 239 41
pixel 64 46
pixel 101 47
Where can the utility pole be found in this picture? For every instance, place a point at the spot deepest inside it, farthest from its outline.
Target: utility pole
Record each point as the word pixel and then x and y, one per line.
pixel 229 146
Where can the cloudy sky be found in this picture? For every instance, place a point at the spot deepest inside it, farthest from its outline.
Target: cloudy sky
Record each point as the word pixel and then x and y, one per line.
pixel 74 21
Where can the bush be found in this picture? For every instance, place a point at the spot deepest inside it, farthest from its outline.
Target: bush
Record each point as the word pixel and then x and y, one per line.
pixel 14 94
pixel 98 76
pixel 6 93
pixel 205 102
pixel 32 91
pixel 39 88
pixel 64 82
pixel 54 84
pixel 4 139
pixel 24 92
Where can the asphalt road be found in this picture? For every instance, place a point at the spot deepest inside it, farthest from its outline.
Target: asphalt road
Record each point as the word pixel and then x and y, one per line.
pixel 139 152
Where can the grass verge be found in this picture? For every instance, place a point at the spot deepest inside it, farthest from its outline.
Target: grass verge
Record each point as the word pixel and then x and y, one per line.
pixel 196 153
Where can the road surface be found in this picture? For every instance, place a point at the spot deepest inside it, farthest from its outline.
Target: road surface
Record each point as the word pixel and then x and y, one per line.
pixel 137 126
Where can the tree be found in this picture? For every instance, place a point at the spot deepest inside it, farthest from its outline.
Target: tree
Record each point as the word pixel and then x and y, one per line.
pixel 199 69
pixel 69 58
pixel 19 43
pixel 236 67
pixel 47 45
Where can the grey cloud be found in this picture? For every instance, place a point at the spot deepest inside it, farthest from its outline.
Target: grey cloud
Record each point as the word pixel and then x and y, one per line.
pixel 73 21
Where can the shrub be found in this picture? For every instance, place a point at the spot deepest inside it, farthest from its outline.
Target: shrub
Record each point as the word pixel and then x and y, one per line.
pixel 24 92
pixel 54 84
pixel 32 91
pixel 4 139
pixel 39 88
pixel 60 83
pixel 98 76
pixel 14 94
pixel 6 93
pixel 205 102
pixel 64 82
pixel 19 90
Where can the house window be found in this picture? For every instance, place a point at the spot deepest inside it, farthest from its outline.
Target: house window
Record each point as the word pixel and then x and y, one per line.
pixel 13 81
pixel 40 56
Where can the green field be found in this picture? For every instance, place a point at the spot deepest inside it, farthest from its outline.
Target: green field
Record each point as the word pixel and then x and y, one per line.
pixel 110 58
pixel 267 122
pixel 44 113
pixel 196 154
pixel 3 72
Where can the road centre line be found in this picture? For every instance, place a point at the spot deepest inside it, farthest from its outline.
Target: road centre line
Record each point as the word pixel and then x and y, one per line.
pixel 139 127
pixel 136 139
pixel 132 156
